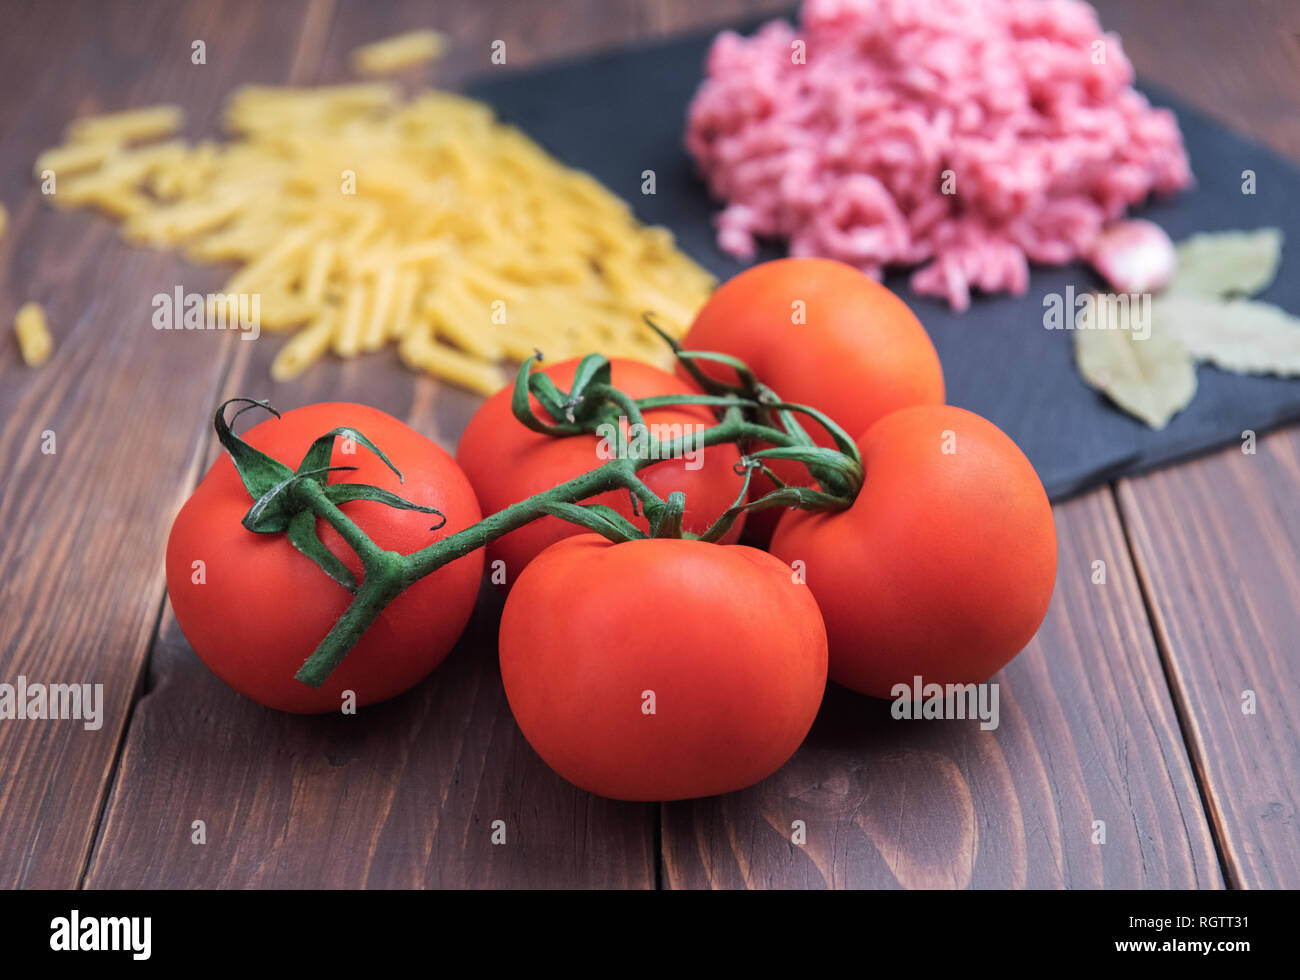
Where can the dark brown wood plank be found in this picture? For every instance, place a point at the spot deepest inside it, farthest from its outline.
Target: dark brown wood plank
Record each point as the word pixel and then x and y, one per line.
pixel 1087 732
pixel 401 795
pixel 1237 61
pixel 80 566
pixel 1216 542
pixel 532 32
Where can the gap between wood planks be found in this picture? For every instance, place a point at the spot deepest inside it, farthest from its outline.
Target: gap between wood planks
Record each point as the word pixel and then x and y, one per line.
pixel 1181 709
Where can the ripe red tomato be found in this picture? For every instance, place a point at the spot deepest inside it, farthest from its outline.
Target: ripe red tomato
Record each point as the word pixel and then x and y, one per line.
pixel 721 642
pixel 819 333
pixel 506 462
pixel 256 608
pixel 944 565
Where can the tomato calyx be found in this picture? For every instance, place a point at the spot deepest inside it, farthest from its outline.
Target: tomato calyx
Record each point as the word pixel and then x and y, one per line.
pixel 282 498
pixel 838 471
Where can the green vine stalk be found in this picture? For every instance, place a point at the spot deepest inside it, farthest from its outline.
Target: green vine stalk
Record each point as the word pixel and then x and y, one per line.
pixel 289 501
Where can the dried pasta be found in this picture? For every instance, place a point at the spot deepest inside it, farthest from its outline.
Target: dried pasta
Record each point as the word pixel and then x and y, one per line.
pixel 34 339
pixel 399 52
pixel 362 219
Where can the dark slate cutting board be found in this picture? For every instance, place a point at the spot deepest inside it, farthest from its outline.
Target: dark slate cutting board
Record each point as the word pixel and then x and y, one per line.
pixel 622 113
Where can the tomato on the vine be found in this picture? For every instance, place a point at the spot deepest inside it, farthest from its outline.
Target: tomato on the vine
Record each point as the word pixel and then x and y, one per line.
pixel 820 333
pixel 254 608
pixel 661 669
pixel 944 566
pixel 507 462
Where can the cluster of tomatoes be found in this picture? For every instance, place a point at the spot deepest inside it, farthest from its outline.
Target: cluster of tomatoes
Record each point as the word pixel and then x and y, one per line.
pixel 663 668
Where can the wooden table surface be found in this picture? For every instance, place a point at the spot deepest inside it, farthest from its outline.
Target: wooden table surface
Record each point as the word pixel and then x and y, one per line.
pixel 1126 709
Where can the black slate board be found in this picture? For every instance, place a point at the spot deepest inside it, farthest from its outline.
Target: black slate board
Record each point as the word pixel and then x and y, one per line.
pixel 621 113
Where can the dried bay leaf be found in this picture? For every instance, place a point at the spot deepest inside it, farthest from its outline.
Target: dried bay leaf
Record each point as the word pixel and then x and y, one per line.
pixel 1244 336
pixel 1227 263
pixel 1150 376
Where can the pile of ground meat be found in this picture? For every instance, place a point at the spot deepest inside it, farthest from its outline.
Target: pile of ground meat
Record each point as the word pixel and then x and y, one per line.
pixel 1023 111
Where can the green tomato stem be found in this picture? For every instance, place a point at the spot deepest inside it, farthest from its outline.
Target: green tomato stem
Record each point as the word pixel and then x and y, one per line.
pixel 388 574
pixel 282 494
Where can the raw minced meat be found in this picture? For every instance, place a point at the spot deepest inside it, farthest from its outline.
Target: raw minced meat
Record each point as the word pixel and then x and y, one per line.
pixel 967 137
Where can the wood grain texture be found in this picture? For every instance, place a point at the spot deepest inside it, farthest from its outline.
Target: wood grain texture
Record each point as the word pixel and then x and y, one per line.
pixel 1239 62
pixel 1087 733
pixel 1216 542
pixel 401 795
pixel 80 560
